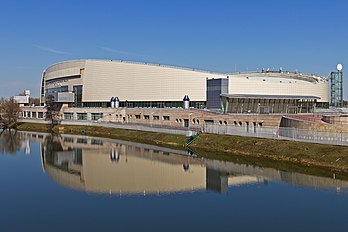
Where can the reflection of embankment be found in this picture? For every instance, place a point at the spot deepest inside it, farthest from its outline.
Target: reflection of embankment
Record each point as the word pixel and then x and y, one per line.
pixel 272 174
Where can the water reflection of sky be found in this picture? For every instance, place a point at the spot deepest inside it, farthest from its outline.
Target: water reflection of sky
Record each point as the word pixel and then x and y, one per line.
pixel 30 200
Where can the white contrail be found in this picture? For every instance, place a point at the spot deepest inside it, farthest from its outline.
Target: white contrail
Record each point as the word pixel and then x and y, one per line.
pixel 118 51
pixel 47 49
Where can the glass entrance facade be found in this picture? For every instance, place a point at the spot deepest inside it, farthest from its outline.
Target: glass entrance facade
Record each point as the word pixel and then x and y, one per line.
pixel 258 104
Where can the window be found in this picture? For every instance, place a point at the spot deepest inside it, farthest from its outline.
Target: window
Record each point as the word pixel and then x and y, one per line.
pixel 68 140
pixel 146 117
pixel 33 114
pixel 166 118
pixel 77 89
pixel 96 116
pixel 40 115
pixel 155 117
pixel 137 116
pixel 81 140
pixel 68 116
pixel 96 142
pixel 82 116
pixel 209 121
pixel 78 156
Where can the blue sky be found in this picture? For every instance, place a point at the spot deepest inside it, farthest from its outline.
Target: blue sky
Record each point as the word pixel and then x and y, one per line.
pixel 224 36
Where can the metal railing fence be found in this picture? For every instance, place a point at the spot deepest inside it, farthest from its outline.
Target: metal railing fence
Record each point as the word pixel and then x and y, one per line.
pixel 281 133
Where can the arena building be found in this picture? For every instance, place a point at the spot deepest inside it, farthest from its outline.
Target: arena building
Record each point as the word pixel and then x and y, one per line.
pixel 93 83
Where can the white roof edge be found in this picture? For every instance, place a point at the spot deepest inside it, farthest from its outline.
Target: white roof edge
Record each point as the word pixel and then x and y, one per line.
pixel 142 63
pixel 305 75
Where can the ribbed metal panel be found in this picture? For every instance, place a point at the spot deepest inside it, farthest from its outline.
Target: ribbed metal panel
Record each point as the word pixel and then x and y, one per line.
pixel 141 82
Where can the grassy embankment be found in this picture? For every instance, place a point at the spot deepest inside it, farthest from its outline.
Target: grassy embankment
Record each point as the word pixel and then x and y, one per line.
pixel 308 158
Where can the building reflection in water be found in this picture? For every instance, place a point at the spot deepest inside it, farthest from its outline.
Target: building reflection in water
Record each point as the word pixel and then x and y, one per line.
pixel 120 167
pixel 106 166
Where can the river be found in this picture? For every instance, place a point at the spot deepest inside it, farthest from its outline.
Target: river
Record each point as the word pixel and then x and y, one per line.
pixel 80 183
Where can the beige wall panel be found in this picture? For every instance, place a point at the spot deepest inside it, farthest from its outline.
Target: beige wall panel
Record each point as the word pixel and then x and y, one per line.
pixel 272 86
pixel 141 82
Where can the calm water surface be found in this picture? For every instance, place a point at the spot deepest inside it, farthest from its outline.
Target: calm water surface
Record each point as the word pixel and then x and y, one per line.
pixel 75 183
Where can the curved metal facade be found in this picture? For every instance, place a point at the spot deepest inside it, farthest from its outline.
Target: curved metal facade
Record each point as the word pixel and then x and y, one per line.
pixel 279 83
pixel 102 79
pixel 99 80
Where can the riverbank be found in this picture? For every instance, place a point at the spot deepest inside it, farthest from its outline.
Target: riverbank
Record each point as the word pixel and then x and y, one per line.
pixel 284 155
pixel 307 158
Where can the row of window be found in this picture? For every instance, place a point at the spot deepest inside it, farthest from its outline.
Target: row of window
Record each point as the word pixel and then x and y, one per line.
pixel 83 116
pixel 147 117
pixel 84 141
pixel 77 90
pixel 97 116
pixel 194 121
pixel 29 114
pixel 235 123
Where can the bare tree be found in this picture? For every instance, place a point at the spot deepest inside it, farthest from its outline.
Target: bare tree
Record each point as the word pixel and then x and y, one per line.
pixel 1 113
pixel 52 112
pixel 9 113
